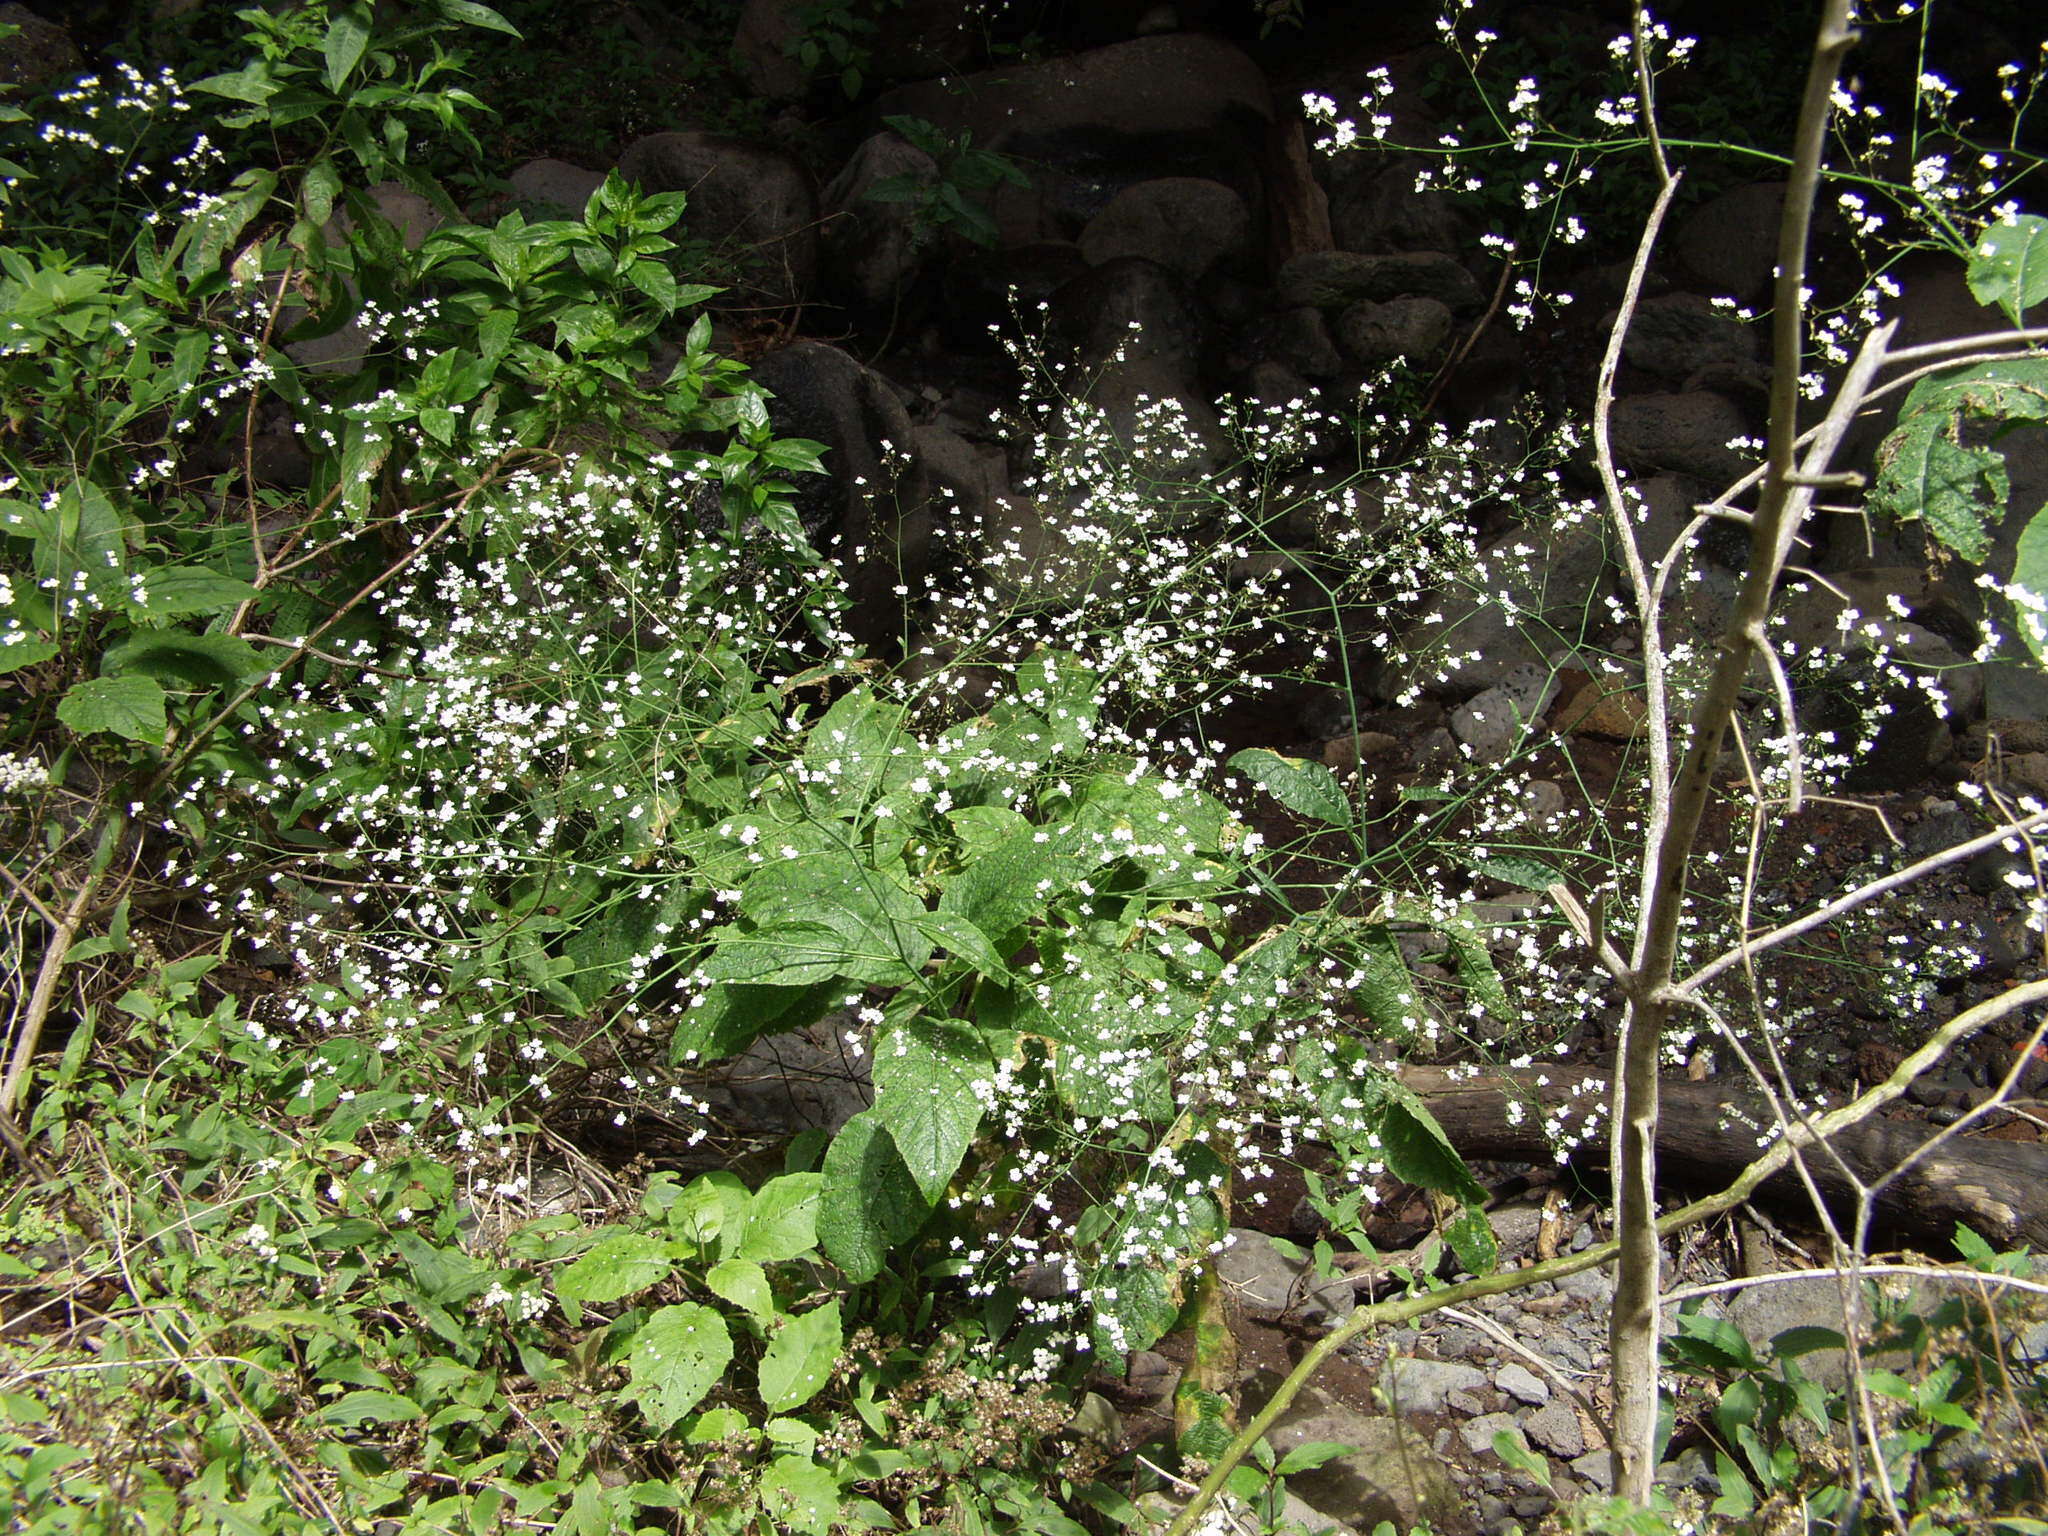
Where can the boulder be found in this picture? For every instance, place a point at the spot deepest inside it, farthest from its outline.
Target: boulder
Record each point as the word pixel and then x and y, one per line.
pixel 1679 334
pixel 342 351
pixel 1186 224
pixel 1377 215
pixel 754 205
pixel 1093 124
pixel 871 250
pixel 872 509
pixel 1296 339
pixel 1687 432
pixel 39 53
pixel 1333 279
pixel 1414 328
pixel 910 40
pixel 1730 242
pixel 554 189
pixel 1268 1285
pixel 1390 1474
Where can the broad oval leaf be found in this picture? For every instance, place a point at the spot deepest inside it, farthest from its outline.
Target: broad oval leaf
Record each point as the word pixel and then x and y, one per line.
pixel 131 707
pixel 678 1355
pixel 800 1495
pixel 926 1070
pixel 798 1361
pixel 1302 786
pixel 782 1218
pixel 2009 268
pixel 616 1267
pixel 870 1202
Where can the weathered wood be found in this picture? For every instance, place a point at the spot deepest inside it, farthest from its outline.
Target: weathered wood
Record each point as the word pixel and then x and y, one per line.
pixel 1708 1131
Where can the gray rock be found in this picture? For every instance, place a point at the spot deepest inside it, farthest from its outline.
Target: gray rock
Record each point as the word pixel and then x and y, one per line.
pixel 793 1081
pixel 1423 1386
pixel 1763 1312
pixel 871 250
pixel 1555 1428
pixel 1595 1468
pixel 1594 1284
pixel 1384 213
pixel 1186 224
pixel 1687 432
pixel 1392 1474
pixel 1269 1285
pixel 39 53
pixel 754 204
pixel 1413 328
pixel 876 497
pixel 1298 339
pixel 1490 725
pixel 1467 1403
pixel 1478 1433
pixel 342 351
pixel 1332 279
pixel 1730 243
pixel 555 188
pixel 1680 333
pixel 1522 1384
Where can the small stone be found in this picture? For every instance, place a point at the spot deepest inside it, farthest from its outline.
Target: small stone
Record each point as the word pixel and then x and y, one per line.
pixel 1464 1402
pixel 1611 714
pixel 1595 1468
pixel 1425 1386
pixel 1478 1433
pixel 1522 1384
pixel 1555 1428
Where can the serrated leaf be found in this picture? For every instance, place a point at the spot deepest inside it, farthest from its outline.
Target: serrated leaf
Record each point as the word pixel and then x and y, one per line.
pixel 2009 268
pixel 870 1202
pixel 618 1266
pixel 782 1218
pixel 1956 490
pixel 1137 1308
pixel 1012 882
pixel 129 707
pixel 925 1072
pixel 799 1359
pixel 800 1495
pixel 732 1016
pixel 679 1354
pixel 1302 786
pixel 743 1283
pixel 872 913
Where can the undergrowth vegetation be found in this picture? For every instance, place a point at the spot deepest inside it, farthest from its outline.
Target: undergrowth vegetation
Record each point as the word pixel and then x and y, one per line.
pixel 432 737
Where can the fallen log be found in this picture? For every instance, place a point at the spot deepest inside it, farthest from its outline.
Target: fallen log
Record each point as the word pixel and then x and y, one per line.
pixel 1708 1131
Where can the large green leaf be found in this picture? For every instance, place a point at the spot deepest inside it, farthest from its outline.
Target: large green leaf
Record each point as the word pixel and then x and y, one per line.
pixel 1303 786
pixel 618 1266
pixel 799 1359
pixel 172 590
pixel 132 707
pixel 871 914
pixel 2009 268
pixel 925 1071
pixel 782 1218
pixel 1956 490
pixel 2030 573
pixel 1136 1309
pixel 679 1354
pixel 178 656
pixel 729 1017
pixel 870 1202
pixel 858 752
pixel 800 1495
pixel 1417 1149
pixel 1014 881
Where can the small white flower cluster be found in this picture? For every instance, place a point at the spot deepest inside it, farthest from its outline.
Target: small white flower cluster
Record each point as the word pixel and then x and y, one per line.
pixel 19 775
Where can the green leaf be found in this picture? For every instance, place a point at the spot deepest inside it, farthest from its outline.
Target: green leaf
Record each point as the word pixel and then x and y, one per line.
pixel 1722 1339
pixel 1302 786
pixel 130 707
pixel 966 941
pixel 1140 1309
pixel 800 1495
pixel 679 1354
pixel 348 34
pixel 1805 1340
pixel 2009 268
pixel 1471 1238
pixel 872 913
pixel 870 1202
pixel 1514 1451
pixel 179 656
pixel 25 653
pixel 730 1017
pixel 1014 881
pixel 782 1218
pixel 1418 1150
pixel 2030 575
pixel 1311 1454
pixel 1956 490
pixel 743 1283
pixel 925 1072
pixel 799 1359
pixel 369 1408
pixel 174 590
pixel 472 14
pixel 616 1267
